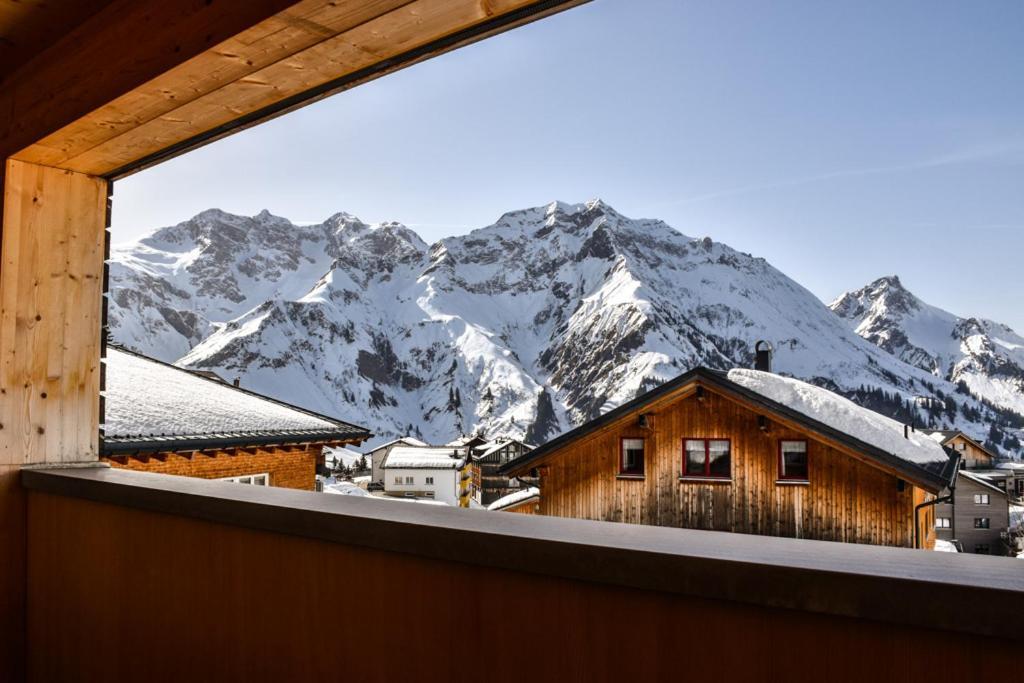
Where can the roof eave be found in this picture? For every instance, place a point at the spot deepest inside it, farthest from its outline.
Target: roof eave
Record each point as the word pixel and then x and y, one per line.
pixel 127 445
pixel 930 481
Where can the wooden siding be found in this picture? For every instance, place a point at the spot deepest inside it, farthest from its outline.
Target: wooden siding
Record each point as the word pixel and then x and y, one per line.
pixel 845 500
pixel 527 507
pixel 293 468
pixel 118 594
pixel 966 510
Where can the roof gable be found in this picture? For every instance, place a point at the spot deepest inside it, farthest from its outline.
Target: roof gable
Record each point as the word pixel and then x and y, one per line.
pixel 815 409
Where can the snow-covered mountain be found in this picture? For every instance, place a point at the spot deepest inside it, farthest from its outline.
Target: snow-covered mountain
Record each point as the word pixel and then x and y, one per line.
pixel 529 326
pixel 986 356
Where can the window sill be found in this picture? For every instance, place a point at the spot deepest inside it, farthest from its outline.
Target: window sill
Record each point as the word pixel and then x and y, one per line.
pixel 706 480
pixel 792 482
pixel 638 477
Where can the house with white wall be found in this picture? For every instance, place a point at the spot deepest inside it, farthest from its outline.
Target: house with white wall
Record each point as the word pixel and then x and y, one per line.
pixel 439 473
pixel 378 454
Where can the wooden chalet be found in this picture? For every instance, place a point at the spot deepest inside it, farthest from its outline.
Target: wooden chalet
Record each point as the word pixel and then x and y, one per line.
pixel 486 459
pixel 751 452
pixel 161 418
pixel 526 501
pixel 977 520
pixel 973 455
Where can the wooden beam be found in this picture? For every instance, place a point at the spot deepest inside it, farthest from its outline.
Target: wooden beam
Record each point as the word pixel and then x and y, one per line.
pixel 307 52
pixel 51 286
pixel 116 50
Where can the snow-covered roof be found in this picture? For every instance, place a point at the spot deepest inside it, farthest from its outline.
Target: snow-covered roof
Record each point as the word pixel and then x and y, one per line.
pixel 413 458
pixel 1010 465
pixel 153 403
pixel 913 455
pixel 843 415
pixel 515 498
pixel 980 479
pixel 408 440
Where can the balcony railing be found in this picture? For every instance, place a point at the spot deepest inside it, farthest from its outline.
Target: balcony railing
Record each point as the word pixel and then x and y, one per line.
pixel 143 576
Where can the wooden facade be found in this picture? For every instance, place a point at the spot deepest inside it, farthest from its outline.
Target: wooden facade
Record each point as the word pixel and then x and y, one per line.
pixel 293 467
pixel 490 484
pixel 979 518
pixel 846 497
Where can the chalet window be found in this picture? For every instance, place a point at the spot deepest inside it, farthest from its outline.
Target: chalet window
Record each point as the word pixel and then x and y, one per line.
pixel 251 479
pixel 707 458
pixel 793 460
pixel 942 523
pixel 981 549
pixel 982 523
pixel 430 480
pixel 409 481
pixel 631 460
pixel 398 480
pixel 981 499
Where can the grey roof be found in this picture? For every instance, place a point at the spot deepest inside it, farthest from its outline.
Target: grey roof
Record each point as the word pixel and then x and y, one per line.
pixel 154 406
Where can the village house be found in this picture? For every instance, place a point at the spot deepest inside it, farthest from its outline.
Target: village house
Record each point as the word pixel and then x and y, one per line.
pixel 488 483
pixel 525 501
pixel 439 473
pixel 973 455
pixel 978 519
pixel 161 418
pixel 751 452
pixel 377 455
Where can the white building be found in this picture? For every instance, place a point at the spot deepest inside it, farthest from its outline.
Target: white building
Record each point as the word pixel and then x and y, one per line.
pixel 378 454
pixel 414 472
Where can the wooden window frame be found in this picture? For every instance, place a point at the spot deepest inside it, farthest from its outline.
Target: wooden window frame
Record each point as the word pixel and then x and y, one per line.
pixel 982 499
pixel 632 474
pixel 781 478
pixel 978 520
pixel 948 523
pixel 707 476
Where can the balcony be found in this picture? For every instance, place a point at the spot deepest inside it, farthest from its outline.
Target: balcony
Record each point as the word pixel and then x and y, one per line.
pixel 132 573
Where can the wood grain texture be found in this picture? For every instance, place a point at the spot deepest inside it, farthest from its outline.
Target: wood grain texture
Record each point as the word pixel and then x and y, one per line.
pixel 13 522
pixel 846 499
pixel 50 297
pixel 234 604
pixel 112 52
pixel 299 50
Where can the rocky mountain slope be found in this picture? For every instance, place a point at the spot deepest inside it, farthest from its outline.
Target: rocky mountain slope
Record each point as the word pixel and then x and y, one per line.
pixel 983 357
pixel 542 320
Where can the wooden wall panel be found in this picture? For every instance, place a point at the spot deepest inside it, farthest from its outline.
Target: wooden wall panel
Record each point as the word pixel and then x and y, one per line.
pixel 846 499
pixel 288 467
pixel 177 599
pixel 51 287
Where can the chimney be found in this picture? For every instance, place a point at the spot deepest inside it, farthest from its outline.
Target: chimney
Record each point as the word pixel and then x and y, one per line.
pixel 763 356
pixel 237 381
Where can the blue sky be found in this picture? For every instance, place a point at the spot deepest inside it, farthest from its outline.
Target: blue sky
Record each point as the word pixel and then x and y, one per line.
pixel 841 141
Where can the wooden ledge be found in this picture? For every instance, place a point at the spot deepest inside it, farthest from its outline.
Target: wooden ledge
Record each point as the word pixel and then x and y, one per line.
pixel 974 594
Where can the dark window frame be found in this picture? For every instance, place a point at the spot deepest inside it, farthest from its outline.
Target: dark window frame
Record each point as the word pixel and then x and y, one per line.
pixel 706 476
pixel 978 522
pixel 623 472
pixel 780 465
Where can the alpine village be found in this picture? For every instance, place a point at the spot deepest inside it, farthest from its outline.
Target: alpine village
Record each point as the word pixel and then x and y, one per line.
pixel 265 442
